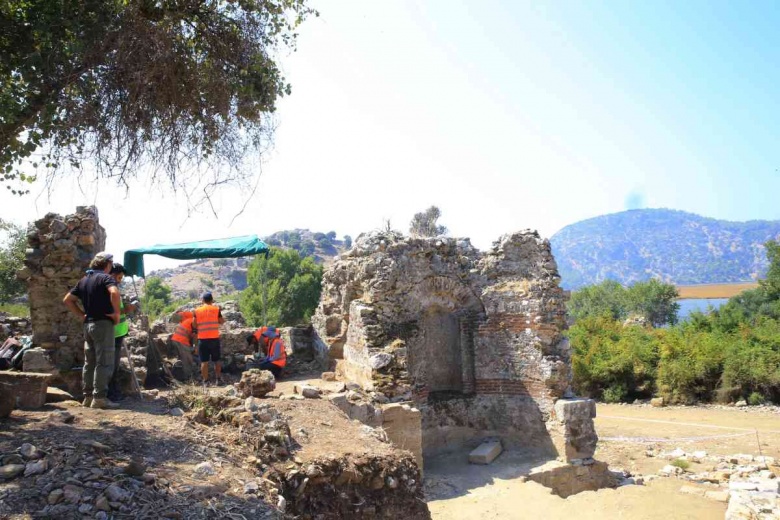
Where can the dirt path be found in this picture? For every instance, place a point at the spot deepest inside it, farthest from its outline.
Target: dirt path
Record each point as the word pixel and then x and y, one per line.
pixel 456 490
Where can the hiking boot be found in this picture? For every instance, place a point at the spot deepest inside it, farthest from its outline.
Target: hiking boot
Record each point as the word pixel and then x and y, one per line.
pixel 87 402
pixel 103 403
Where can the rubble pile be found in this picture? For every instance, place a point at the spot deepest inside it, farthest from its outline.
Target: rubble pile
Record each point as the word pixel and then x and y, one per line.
pixel 89 480
pixel 379 483
pixel 360 486
pixel 748 483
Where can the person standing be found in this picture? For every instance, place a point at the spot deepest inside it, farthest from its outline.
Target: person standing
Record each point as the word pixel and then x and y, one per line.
pixel 208 318
pixel 276 354
pixel 100 300
pixel 121 330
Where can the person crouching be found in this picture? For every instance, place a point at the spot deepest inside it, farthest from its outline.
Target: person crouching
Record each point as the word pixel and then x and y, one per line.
pixel 271 342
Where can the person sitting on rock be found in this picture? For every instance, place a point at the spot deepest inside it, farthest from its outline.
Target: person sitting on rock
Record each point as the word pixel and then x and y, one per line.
pixel 275 352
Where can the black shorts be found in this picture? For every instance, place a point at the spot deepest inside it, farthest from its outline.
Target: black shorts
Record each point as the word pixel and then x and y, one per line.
pixel 208 350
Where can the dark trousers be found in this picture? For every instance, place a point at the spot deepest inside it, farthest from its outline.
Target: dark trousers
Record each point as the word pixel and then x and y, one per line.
pixel 114 392
pixel 274 369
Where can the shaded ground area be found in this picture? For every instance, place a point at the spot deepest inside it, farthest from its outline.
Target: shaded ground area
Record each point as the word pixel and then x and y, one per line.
pixel 457 490
pixel 168 449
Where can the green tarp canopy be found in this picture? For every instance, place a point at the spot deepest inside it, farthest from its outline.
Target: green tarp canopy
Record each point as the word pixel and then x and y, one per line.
pixel 222 248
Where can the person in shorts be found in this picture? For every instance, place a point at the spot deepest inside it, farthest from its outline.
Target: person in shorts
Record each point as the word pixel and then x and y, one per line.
pixel 208 318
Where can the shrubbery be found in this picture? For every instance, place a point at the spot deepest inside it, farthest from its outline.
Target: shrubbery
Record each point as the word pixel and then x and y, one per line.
pixel 729 354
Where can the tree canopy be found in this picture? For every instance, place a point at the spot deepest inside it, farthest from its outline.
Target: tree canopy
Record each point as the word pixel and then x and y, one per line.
pixel 282 290
pixel 424 224
pixel 12 248
pixel 654 300
pixel 170 84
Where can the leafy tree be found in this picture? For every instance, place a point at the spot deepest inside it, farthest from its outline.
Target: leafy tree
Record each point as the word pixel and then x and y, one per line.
pixel 424 224
pixel 608 298
pixel 331 235
pixel 347 241
pixel 282 289
pixel 655 300
pixel 319 236
pixel 157 295
pixel 11 260
pixel 125 83
pixel 307 248
pixel 293 240
pixel 770 285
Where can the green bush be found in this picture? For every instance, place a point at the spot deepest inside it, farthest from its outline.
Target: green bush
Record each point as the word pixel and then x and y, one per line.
pixel 681 463
pixel 613 362
pixel 756 399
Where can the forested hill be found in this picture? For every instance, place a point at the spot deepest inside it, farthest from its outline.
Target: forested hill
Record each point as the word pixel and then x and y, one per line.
pixel 675 246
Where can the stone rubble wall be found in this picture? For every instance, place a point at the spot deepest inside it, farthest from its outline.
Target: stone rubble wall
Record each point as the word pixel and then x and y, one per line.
pixel 474 339
pixel 59 252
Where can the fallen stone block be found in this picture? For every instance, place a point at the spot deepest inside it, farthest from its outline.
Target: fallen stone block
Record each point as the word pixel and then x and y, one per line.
pixel 55 395
pixel 657 402
pixel 256 383
pixel 486 452
pixel 29 389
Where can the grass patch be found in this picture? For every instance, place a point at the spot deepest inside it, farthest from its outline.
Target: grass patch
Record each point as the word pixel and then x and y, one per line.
pixel 681 463
pixel 16 309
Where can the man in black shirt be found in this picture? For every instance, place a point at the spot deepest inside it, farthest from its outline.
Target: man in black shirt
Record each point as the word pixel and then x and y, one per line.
pixel 99 298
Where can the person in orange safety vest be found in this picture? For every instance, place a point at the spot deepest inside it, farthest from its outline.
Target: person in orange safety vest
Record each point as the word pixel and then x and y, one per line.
pixel 183 338
pixel 275 353
pixel 208 318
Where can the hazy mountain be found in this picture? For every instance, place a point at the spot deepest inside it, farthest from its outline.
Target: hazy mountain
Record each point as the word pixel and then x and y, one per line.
pixel 674 246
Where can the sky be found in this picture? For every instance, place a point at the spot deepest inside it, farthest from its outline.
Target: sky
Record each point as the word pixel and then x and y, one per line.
pixel 506 115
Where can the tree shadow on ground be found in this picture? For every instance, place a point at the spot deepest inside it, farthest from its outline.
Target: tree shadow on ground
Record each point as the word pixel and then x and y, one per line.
pixel 168 451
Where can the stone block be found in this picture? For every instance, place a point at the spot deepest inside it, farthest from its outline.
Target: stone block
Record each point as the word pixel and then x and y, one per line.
pixel 29 389
pixel 657 402
pixel 403 426
pixel 574 423
pixel 486 452
pixel 38 360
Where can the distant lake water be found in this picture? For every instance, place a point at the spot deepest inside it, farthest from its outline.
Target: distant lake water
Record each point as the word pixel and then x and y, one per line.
pixel 698 304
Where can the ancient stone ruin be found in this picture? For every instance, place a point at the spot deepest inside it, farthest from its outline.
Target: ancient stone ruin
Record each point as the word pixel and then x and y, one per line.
pixel 472 340
pixel 60 249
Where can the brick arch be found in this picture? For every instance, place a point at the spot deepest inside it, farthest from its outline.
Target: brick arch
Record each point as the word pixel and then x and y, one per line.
pixel 447 313
pixel 445 293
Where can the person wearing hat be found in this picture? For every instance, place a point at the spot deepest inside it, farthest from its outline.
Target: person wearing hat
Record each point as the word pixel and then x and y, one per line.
pixel 121 330
pixel 208 318
pixel 276 354
pixel 99 312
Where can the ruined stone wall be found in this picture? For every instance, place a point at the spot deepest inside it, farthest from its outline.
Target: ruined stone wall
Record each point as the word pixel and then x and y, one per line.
pixel 475 340
pixel 58 254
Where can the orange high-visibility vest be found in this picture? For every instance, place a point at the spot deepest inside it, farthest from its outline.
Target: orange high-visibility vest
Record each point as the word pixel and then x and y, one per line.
pixel 183 332
pixel 276 350
pixel 207 321
pixel 259 333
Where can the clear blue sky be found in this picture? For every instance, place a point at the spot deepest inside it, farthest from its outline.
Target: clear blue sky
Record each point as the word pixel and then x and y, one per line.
pixel 506 115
